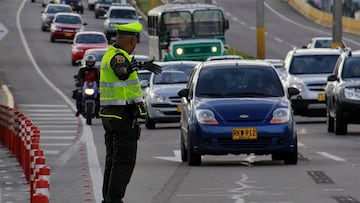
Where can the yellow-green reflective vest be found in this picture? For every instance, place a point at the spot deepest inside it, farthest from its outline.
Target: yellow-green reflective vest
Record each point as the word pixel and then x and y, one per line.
pixel 114 91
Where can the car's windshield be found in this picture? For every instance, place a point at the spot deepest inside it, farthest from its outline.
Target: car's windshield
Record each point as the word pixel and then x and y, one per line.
pixel 123 13
pixel 90 38
pixel 57 9
pixel 170 77
pixel 351 68
pixel 313 64
pixel 251 81
pixel 144 76
pixel 68 19
pixel 186 68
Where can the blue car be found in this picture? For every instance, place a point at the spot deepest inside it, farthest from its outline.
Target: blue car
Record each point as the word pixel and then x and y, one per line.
pixel 237 107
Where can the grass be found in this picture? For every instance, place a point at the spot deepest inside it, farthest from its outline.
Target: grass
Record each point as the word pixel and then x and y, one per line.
pixel 146 5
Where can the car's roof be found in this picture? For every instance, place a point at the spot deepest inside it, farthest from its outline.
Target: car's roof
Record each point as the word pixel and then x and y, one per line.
pixel 90 32
pixel 96 49
pixel 58 5
pixel 234 62
pixel 225 57
pixel 128 7
pixel 68 14
pixel 160 63
pixel 317 51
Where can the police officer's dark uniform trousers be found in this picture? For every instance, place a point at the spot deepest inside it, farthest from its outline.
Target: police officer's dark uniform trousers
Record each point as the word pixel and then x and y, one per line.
pixel 120 95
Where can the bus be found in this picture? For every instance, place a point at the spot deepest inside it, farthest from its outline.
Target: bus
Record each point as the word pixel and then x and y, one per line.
pixel 186 31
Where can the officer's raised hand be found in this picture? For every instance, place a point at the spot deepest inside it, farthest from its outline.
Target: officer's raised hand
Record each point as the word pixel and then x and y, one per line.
pixel 150 66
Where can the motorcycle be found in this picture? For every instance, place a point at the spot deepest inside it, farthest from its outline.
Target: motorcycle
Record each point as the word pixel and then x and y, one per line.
pixel 90 94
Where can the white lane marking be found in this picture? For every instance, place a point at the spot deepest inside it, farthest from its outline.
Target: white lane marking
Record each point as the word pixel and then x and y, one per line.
pixel 58 131
pixel 56 119
pixel 330 156
pixel 175 158
pixel 56 137
pixel 51 152
pixel 55 116
pixel 54 144
pixel 303 26
pixel 43 105
pixel 57 126
pixel 47 110
pixel 87 136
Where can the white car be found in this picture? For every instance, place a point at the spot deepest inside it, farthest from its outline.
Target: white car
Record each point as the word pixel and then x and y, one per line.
pixel 322 42
pixel 307 70
pixel 119 15
pixel 46 2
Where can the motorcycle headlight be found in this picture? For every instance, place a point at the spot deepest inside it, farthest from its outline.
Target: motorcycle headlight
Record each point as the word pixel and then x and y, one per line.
pixel 89 92
pixel 280 115
pixel 352 93
pixel 206 116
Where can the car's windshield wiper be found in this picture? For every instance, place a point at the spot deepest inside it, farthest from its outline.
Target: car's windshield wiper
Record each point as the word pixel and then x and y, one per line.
pixel 211 95
pixel 249 94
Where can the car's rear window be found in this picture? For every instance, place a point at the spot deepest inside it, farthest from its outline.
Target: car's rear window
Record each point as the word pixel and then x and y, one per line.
pixel 123 13
pixel 68 19
pixel 90 38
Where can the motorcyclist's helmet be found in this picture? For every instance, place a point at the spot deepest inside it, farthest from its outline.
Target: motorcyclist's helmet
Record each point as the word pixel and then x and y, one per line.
pixel 90 61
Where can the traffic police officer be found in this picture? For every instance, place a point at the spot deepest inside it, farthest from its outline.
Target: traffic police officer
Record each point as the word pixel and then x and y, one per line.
pixel 121 104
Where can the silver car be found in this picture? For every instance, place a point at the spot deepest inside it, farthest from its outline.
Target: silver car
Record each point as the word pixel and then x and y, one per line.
pixel 307 70
pixel 161 97
pixel 49 12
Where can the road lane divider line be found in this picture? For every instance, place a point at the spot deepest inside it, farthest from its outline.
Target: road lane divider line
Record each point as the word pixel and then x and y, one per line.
pixel 330 156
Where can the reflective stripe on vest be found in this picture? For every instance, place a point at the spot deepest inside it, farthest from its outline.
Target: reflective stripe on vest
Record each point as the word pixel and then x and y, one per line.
pixel 114 91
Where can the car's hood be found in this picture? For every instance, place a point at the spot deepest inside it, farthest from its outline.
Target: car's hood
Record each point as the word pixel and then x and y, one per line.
pixel 310 78
pixel 65 25
pixel 243 109
pixel 168 89
pixel 121 20
pixel 91 45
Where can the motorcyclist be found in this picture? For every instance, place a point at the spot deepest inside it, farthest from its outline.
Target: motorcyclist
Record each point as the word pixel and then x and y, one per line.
pixel 88 73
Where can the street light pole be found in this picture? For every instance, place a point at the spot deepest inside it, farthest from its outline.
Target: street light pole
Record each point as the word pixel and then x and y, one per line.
pixel 260 30
pixel 337 24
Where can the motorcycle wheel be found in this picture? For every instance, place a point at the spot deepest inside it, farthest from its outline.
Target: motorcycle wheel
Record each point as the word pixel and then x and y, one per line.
pixel 88 114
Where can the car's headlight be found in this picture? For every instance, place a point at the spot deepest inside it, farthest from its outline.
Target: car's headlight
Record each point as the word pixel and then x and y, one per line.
pixel 157 97
pixel 214 49
pixel 298 86
pixel 76 50
pixel 55 28
pixel 280 115
pixel 206 116
pixel 352 93
pixel 179 51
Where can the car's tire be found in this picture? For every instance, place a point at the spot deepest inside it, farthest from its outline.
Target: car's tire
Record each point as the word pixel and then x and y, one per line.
pixel 193 158
pixel 82 10
pixel 149 123
pixel 183 149
pixel 96 15
pixel 330 123
pixel 73 63
pixel 52 39
pixel 291 158
pixel 91 7
pixel 277 156
pixel 138 38
pixel 340 126
pixel 43 28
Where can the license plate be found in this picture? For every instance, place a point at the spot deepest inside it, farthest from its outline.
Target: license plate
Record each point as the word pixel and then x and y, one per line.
pixel 68 34
pixel 178 108
pixel 321 97
pixel 244 133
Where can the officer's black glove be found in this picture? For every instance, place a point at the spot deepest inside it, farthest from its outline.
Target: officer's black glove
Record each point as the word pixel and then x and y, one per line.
pixel 134 66
pixel 152 67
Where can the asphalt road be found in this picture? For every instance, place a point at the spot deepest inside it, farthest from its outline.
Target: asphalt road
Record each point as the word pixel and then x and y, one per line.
pixel 39 74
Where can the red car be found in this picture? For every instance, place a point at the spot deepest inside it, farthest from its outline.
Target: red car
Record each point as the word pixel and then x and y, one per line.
pixel 65 26
pixel 85 40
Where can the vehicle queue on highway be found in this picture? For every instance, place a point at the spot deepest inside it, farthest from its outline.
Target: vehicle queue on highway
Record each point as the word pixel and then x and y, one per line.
pixel 194 156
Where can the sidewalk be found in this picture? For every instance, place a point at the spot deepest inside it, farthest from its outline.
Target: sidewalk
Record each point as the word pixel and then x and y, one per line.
pixel 13 185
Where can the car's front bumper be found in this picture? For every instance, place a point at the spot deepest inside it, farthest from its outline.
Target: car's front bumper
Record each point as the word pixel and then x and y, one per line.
pixel 350 110
pixel 217 140
pixel 163 113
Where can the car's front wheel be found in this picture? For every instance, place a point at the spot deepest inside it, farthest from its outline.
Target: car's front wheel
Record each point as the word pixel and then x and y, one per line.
pixel 149 123
pixel 183 148
pixel 340 126
pixel 291 157
pixel 194 159
pixel 330 122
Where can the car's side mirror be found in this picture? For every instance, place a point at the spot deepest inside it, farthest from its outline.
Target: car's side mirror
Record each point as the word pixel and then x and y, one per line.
pixel 144 83
pixel 293 91
pixel 183 92
pixel 331 78
pixel 85 24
